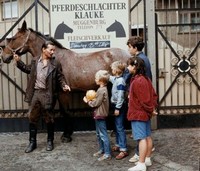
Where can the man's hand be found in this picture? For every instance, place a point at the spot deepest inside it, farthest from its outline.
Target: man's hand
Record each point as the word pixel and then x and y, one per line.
pixel 66 87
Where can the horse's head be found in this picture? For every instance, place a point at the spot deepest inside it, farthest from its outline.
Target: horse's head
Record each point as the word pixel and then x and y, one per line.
pixel 16 44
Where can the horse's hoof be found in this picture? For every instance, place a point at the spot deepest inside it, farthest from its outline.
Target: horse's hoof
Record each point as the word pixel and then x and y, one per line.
pixel 66 139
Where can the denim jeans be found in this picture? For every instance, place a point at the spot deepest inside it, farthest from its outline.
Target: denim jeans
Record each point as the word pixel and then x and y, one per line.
pixel 102 136
pixel 120 130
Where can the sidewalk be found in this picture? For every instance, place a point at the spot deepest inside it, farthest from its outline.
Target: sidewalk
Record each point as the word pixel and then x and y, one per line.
pixel 176 150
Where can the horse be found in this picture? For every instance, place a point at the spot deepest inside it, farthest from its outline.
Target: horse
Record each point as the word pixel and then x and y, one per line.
pixel 118 28
pixel 61 29
pixel 78 68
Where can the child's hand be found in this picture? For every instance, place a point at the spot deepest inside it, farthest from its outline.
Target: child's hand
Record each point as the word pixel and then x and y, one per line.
pixel 154 113
pixel 85 99
pixel 116 112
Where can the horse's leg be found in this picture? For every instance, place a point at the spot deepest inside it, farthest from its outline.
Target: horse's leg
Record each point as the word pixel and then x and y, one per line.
pixel 63 99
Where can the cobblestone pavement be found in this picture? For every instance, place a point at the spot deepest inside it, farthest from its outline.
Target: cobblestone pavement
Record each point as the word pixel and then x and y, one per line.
pixel 176 150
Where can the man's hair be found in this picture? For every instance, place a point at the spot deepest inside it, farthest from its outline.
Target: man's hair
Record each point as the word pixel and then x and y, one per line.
pixel 139 64
pixel 118 66
pixel 103 76
pixel 136 41
pixel 46 43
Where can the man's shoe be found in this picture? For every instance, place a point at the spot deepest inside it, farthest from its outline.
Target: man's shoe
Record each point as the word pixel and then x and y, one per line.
pixel 66 139
pixel 50 146
pixel 32 146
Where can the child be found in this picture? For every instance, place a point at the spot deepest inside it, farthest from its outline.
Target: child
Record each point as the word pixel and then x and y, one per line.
pixel 117 102
pixel 101 110
pixel 135 46
pixel 142 103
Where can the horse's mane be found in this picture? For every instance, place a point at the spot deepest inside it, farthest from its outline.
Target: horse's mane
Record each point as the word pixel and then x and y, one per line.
pixel 48 38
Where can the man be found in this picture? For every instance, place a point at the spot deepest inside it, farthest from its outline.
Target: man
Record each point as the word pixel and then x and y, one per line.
pixel 45 73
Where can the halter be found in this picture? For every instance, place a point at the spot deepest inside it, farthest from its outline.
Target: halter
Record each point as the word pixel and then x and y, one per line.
pixel 20 47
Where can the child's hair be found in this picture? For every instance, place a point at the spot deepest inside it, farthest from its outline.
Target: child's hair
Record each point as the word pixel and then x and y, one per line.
pixel 118 66
pixel 103 76
pixel 139 64
pixel 136 41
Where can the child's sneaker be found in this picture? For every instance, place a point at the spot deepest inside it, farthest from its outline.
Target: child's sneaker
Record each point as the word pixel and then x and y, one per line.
pixel 134 159
pixel 148 161
pixel 104 157
pixel 138 167
pixel 98 154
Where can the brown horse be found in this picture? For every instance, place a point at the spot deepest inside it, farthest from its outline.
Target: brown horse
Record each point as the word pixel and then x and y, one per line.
pixel 78 68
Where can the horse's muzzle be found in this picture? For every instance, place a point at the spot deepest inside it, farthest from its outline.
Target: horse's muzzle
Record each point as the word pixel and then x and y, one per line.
pixel 7 59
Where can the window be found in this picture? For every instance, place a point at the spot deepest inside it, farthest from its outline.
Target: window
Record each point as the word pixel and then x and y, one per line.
pixel 9 10
pixel 190 16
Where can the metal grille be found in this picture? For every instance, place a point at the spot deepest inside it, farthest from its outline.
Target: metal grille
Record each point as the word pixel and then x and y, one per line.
pixel 178 52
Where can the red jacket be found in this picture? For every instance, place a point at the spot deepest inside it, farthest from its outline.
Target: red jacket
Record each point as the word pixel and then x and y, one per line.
pixel 142 99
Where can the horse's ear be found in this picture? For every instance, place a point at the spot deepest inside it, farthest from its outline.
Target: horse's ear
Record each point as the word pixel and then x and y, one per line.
pixel 24 27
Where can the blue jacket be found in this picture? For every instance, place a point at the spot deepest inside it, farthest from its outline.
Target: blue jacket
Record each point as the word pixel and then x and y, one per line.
pixel 147 64
pixel 118 91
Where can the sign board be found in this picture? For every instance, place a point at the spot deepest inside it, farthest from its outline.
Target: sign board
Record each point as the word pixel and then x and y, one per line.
pixel 88 25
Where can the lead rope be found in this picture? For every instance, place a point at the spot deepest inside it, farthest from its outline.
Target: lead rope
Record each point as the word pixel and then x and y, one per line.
pixel 1 61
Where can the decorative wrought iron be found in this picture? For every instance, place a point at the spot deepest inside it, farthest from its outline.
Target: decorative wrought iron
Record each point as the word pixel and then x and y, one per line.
pixel 184 64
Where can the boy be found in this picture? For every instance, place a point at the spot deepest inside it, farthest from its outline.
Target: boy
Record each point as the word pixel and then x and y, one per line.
pixel 101 110
pixel 118 103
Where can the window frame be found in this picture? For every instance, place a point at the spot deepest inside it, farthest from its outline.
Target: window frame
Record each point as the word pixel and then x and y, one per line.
pixel 186 17
pixel 9 10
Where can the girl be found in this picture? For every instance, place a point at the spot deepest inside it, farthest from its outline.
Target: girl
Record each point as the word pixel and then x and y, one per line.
pixel 142 103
